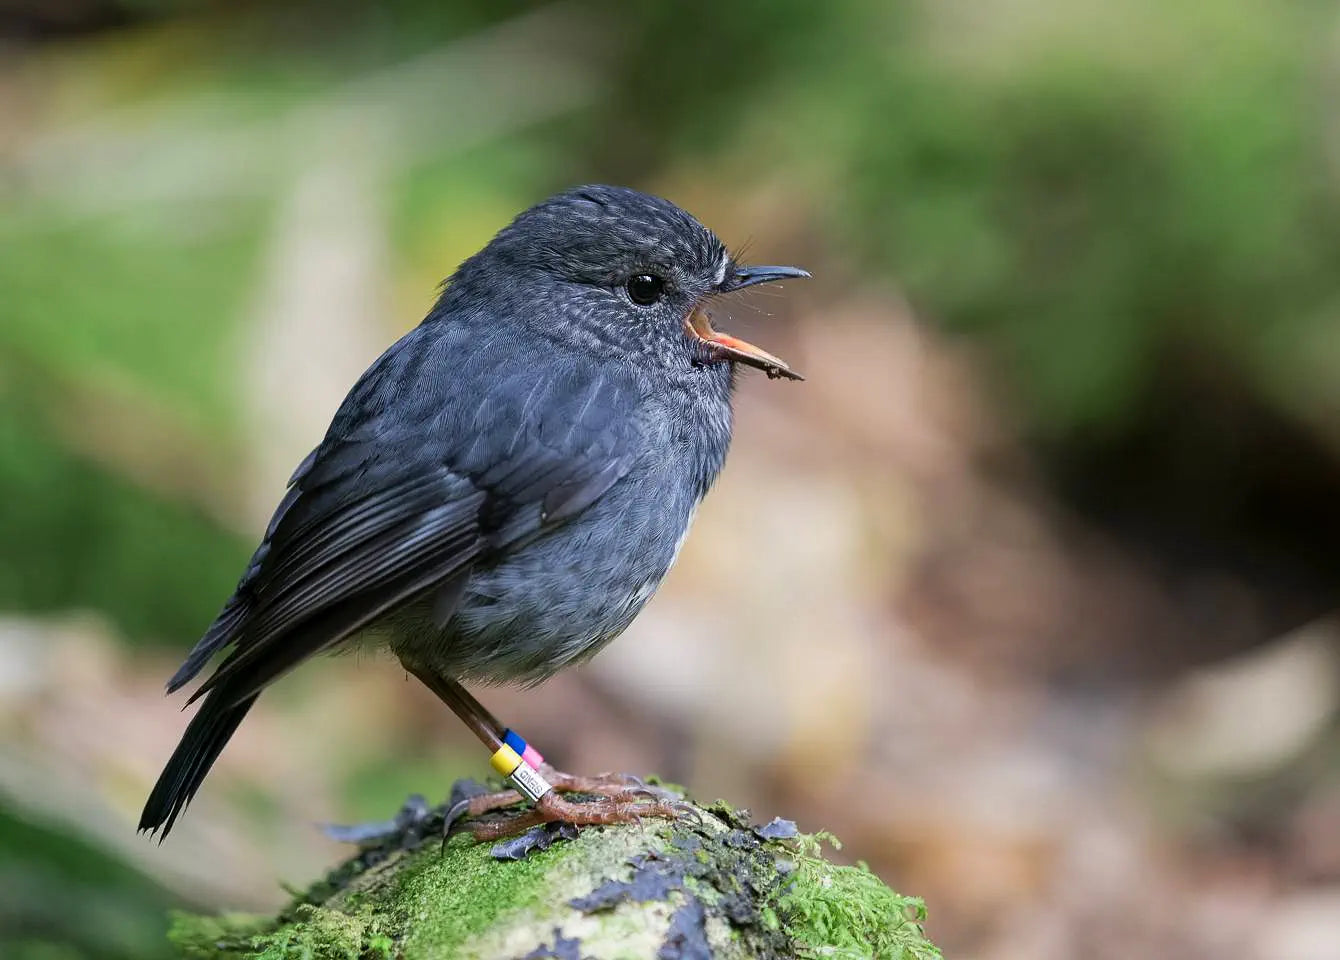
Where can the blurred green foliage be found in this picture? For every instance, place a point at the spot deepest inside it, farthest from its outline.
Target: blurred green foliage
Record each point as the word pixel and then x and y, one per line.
pixel 62 897
pixel 153 298
pixel 143 303
pixel 1119 183
pixel 79 536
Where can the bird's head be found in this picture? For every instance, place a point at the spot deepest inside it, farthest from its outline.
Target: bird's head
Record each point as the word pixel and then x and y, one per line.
pixel 621 272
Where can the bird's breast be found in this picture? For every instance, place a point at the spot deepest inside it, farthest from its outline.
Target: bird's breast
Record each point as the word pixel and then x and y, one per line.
pixel 563 596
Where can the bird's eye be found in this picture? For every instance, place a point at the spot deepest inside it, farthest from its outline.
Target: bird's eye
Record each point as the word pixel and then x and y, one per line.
pixel 645 288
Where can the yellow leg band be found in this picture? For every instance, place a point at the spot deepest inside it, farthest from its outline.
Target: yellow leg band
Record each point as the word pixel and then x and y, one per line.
pixel 505 761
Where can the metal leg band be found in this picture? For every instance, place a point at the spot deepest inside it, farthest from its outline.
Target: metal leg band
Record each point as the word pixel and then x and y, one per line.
pixel 525 778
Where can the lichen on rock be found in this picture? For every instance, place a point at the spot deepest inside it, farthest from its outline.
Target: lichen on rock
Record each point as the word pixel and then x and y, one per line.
pixel 710 887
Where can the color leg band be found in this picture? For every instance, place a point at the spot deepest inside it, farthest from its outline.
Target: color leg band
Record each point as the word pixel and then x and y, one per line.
pixel 505 760
pixel 522 775
pixel 523 749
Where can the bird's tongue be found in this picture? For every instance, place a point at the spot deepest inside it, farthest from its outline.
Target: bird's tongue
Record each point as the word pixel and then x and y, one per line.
pixel 723 346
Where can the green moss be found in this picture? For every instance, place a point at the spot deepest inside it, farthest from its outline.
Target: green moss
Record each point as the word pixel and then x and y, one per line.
pixel 848 912
pixel 393 908
pixel 317 932
pixel 226 936
pixel 480 888
pixel 768 899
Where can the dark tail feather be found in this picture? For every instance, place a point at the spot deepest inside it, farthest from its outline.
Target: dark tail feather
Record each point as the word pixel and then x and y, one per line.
pixel 261 659
pixel 228 625
pixel 206 735
pixel 221 632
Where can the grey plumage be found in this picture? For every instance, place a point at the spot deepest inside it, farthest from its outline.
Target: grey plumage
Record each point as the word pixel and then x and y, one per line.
pixel 505 487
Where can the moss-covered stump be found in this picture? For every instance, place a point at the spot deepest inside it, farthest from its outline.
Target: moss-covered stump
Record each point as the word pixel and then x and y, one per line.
pixel 713 886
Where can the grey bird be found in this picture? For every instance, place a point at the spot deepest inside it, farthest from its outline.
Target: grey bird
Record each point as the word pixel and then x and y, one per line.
pixel 504 488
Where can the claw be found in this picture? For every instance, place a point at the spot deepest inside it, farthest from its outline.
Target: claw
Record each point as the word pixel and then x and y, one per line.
pixel 658 792
pixel 647 789
pixel 454 813
pixel 686 810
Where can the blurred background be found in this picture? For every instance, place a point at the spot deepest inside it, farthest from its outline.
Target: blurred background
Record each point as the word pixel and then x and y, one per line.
pixel 1028 594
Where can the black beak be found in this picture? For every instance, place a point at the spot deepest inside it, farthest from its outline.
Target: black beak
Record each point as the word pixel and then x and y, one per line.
pixel 742 277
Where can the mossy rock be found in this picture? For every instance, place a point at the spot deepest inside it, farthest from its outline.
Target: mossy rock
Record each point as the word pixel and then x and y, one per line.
pixel 711 888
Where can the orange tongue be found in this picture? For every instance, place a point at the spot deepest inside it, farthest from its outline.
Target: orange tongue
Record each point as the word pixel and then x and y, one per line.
pixel 726 347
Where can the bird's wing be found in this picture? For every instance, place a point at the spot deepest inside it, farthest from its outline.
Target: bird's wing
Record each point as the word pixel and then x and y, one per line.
pixel 419 478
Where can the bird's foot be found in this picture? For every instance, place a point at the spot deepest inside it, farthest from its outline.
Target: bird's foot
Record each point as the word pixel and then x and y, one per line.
pixel 620 787
pixel 609 809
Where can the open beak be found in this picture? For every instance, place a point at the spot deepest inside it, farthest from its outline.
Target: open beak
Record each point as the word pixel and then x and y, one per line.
pixel 722 346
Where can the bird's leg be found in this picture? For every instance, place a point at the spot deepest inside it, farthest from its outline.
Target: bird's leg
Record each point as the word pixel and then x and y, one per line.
pixel 625 798
pixel 494 735
pixel 513 758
